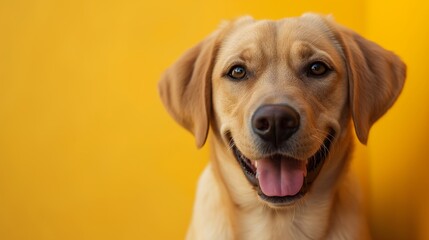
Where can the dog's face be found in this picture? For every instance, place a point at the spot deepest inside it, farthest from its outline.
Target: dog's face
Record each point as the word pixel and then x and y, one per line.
pixel 279 94
pixel 279 91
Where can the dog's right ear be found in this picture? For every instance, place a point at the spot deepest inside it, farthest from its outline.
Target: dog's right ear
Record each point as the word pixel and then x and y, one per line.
pixel 185 88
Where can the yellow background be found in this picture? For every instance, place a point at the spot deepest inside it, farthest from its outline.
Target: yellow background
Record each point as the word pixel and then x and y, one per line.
pixel 88 152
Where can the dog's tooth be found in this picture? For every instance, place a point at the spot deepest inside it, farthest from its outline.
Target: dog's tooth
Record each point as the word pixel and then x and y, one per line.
pixel 257 175
pixel 256 164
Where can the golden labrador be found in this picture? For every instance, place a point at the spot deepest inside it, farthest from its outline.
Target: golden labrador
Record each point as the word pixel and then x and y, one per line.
pixel 280 98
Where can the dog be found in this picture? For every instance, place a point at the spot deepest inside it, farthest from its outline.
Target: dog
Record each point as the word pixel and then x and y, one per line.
pixel 282 100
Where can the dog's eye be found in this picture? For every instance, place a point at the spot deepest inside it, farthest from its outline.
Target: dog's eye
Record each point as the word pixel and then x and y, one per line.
pixel 237 73
pixel 317 69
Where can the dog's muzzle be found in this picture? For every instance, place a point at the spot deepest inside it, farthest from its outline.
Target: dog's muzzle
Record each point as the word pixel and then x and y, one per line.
pixel 278 178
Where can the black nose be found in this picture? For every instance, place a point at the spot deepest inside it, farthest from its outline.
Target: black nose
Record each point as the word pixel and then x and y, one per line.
pixel 275 123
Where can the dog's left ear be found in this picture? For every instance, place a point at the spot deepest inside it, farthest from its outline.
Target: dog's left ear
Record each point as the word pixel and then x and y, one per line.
pixel 185 88
pixel 376 78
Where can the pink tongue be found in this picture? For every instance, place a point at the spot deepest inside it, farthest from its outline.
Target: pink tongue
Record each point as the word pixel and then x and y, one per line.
pixel 280 177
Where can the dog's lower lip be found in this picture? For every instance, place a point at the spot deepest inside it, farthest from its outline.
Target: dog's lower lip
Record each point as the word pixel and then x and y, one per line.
pixel 246 166
pixel 314 166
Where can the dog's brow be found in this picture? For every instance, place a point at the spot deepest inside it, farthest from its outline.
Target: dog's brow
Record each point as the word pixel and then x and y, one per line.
pixel 245 55
pixel 304 50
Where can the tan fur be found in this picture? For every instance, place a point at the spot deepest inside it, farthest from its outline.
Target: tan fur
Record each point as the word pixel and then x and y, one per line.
pixel 365 82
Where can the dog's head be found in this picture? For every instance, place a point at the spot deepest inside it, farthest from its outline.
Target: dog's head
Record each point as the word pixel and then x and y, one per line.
pixel 280 94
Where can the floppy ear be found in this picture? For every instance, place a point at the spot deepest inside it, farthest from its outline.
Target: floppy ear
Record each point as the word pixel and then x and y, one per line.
pixel 376 78
pixel 185 88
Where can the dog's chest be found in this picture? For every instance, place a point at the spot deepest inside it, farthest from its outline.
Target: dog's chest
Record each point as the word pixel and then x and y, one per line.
pixel 266 224
pixel 269 224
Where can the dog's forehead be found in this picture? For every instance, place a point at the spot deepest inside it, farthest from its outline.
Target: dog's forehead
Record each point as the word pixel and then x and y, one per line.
pixel 265 38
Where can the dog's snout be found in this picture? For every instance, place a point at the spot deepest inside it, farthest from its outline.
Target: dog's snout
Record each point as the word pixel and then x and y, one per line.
pixel 275 123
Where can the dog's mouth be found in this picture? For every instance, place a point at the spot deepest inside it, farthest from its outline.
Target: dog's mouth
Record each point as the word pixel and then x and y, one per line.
pixel 279 179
